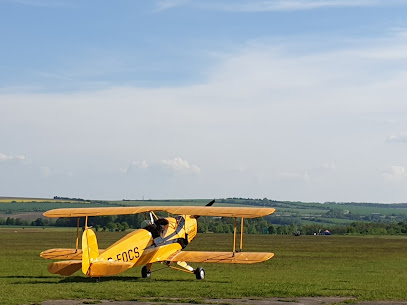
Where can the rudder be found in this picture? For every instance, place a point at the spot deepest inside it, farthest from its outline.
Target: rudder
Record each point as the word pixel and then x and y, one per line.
pixel 90 250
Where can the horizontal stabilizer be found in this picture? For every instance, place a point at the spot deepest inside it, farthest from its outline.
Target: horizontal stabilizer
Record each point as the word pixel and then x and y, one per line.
pixel 108 268
pixel 65 268
pixel 221 257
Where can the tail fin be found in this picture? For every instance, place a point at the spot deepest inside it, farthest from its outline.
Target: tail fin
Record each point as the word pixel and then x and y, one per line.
pixel 90 250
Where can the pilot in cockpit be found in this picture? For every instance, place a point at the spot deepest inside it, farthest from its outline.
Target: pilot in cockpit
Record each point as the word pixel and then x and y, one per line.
pixel 158 227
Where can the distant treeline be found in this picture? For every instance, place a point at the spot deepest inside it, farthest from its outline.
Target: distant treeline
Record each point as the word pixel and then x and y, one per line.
pixel 100 223
pixel 22 222
pixel 222 225
pixel 68 198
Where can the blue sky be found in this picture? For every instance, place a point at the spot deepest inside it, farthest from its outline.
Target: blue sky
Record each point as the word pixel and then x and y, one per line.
pixel 290 100
pixel 65 45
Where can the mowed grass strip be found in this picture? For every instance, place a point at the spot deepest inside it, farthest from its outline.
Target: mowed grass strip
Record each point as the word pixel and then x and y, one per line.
pixel 367 268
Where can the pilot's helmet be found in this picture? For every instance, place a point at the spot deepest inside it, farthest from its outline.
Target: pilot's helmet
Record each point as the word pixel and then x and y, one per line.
pixel 161 222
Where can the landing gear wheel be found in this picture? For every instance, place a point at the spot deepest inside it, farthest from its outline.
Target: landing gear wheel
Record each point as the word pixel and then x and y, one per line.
pixel 145 273
pixel 200 273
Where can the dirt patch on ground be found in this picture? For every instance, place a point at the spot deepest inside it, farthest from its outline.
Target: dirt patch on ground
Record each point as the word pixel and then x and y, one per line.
pixel 24 215
pixel 244 301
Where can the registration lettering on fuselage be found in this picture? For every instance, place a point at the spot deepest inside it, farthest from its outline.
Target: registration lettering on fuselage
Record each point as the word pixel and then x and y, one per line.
pixel 128 255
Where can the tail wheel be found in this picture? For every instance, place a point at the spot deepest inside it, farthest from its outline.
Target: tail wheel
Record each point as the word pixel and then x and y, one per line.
pixel 145 273
pixel 200 273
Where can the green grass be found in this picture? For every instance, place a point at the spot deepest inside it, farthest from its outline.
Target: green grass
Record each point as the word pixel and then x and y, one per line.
pixel 367 268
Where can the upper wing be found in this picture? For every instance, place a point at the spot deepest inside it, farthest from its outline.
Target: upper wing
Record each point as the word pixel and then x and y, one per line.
pixel 220 257
pixel 179 210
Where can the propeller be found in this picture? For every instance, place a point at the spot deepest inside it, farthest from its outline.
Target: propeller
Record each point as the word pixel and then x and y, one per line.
pixel 207 205
pixel 210 203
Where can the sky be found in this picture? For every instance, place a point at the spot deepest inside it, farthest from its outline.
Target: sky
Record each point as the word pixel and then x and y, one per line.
pixel 289 100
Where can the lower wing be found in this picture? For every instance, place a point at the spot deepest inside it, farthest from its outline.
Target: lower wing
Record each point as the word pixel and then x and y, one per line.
pixel 221 257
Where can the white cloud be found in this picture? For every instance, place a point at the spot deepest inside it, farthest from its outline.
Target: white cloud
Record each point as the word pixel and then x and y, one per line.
pixel 176 166
pixel 172 178
pixel 400 138
pixel 312 174
pixel 322 170
pixel 42 3
pixel 264 108
pixel 400 31
pixel 296 176
pixel 289 5
pixel 46 171
pixel 135 165
pixel 396 173
pixel 168 4
pixel 253 6
pixel 4 157
pixel 181 166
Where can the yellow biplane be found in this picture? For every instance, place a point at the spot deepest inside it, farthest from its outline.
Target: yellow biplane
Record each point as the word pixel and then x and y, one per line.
pixel 162 240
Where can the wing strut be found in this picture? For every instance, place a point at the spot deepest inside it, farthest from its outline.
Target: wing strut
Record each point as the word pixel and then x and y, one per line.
pixel 235 235
pixel 77 236
pixel 234 238
pixel 241 234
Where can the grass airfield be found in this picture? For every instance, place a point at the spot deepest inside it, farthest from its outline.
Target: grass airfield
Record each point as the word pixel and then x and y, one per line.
pixel 365 268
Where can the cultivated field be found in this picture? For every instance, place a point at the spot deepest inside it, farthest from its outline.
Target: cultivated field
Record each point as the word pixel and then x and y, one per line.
pixel 367 268
pixel 38 200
